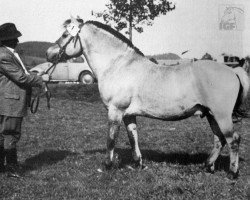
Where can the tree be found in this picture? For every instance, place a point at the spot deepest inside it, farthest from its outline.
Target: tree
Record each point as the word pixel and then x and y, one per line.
pixel 133 14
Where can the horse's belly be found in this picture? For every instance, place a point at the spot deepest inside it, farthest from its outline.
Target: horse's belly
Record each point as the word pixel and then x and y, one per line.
pixel 164 110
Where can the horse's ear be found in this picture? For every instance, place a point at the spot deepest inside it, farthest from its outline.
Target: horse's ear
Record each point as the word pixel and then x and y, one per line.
pixel 80 20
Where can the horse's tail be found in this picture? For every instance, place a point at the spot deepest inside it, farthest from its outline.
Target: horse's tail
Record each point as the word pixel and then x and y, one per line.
pixel 243 92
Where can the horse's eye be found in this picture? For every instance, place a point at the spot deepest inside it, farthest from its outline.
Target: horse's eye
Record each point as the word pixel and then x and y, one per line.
pixel 64 35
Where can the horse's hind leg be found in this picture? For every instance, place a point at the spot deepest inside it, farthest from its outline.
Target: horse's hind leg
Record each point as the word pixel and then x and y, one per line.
pixel 233 141
pixel 131 126
pixel 219 143
pixel 115 118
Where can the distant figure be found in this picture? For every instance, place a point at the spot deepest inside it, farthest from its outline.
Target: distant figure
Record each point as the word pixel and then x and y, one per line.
pixel 15 93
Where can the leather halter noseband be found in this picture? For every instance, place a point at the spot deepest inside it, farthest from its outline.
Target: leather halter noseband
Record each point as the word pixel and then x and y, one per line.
pixel 35 101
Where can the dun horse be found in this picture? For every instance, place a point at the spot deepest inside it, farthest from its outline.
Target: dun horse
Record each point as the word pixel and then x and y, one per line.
pixel 131 85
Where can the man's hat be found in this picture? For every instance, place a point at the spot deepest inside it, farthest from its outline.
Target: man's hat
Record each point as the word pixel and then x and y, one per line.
pixel 8 31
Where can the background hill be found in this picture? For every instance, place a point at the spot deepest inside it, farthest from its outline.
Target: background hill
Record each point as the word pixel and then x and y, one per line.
pixel 35 48
pixel 165 56
pixel 33 53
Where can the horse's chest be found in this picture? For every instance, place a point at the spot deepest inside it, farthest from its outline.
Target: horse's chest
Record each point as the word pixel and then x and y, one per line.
pixel 117 94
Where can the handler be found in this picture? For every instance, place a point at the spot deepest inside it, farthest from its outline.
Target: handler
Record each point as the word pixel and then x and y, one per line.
pixel 15 95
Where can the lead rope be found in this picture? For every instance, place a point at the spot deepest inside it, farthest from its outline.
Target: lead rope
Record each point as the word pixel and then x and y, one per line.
pixel 36 100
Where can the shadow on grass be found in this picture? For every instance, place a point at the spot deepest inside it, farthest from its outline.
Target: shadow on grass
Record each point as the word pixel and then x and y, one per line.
pixel 157 156
pixel 47 157
pixel 182 158
pixel 79 92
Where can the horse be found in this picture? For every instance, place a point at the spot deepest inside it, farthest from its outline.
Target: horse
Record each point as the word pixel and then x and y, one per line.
pixel 131 85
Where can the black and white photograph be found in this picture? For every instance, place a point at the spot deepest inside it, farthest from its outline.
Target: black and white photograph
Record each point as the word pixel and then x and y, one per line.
pixel 125 99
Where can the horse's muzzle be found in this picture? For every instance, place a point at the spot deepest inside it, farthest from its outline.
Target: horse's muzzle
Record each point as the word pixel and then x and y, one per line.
pixel 52 53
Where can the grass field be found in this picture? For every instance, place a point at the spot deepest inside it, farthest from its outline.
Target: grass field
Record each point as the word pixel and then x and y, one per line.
pixel 62 153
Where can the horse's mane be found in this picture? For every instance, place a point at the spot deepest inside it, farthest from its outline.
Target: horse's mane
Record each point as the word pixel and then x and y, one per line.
pixel 116 34
pixel 108 29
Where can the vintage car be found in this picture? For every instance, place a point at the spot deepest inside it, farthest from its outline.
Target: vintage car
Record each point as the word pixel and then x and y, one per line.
pixel 73 70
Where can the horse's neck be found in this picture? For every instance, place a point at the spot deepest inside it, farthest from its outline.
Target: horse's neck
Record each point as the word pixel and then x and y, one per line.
pixel 102 53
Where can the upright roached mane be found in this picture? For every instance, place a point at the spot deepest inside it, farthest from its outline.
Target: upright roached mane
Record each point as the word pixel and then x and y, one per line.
pixel 110 30
pixel 131 85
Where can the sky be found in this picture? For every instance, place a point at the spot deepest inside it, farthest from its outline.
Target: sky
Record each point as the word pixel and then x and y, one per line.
pixel 192 26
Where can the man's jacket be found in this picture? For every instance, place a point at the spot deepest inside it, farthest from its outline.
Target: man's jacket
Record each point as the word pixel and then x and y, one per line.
pixel 15 85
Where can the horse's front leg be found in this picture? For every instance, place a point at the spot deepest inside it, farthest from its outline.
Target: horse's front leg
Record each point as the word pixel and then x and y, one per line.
pixel 131 126
pixel 115 118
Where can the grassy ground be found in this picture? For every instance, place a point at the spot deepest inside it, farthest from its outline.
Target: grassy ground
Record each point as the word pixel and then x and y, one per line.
pixel 62 152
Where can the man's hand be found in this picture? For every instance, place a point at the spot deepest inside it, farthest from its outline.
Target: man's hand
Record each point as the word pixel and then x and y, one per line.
pixel 45 77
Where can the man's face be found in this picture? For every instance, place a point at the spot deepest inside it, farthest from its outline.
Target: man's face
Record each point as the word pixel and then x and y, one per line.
pixel 11 43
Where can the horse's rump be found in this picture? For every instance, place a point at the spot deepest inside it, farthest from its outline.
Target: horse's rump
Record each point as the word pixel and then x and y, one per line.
pixel 243 92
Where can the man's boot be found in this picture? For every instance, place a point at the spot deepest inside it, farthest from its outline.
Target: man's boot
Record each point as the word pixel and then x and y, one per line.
pixel 12 167
pixel 2 159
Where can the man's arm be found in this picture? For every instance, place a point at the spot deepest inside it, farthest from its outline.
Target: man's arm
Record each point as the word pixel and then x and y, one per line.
pixel 16 74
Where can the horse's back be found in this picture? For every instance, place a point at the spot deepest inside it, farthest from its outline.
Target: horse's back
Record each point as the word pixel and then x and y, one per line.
pixel 177 89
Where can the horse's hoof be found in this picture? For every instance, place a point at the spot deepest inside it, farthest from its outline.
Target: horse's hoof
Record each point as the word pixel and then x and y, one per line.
pixel 209 168
pixel 108 165
pixel 144 167
pixel 233 175
pixel 140 167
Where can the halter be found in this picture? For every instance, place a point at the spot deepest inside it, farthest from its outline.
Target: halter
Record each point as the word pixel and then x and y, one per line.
pixel 35 101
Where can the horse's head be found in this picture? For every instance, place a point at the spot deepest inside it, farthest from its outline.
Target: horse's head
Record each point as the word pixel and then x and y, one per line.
pixel 69 44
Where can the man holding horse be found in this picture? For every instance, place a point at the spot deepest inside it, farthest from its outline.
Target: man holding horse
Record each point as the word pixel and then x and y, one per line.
pixel 15 95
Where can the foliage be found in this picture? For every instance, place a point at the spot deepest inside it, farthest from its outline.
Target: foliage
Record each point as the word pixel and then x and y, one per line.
pixel 134 13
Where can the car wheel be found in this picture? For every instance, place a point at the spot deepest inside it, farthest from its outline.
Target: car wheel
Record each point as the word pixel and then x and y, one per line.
pixel 86 77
